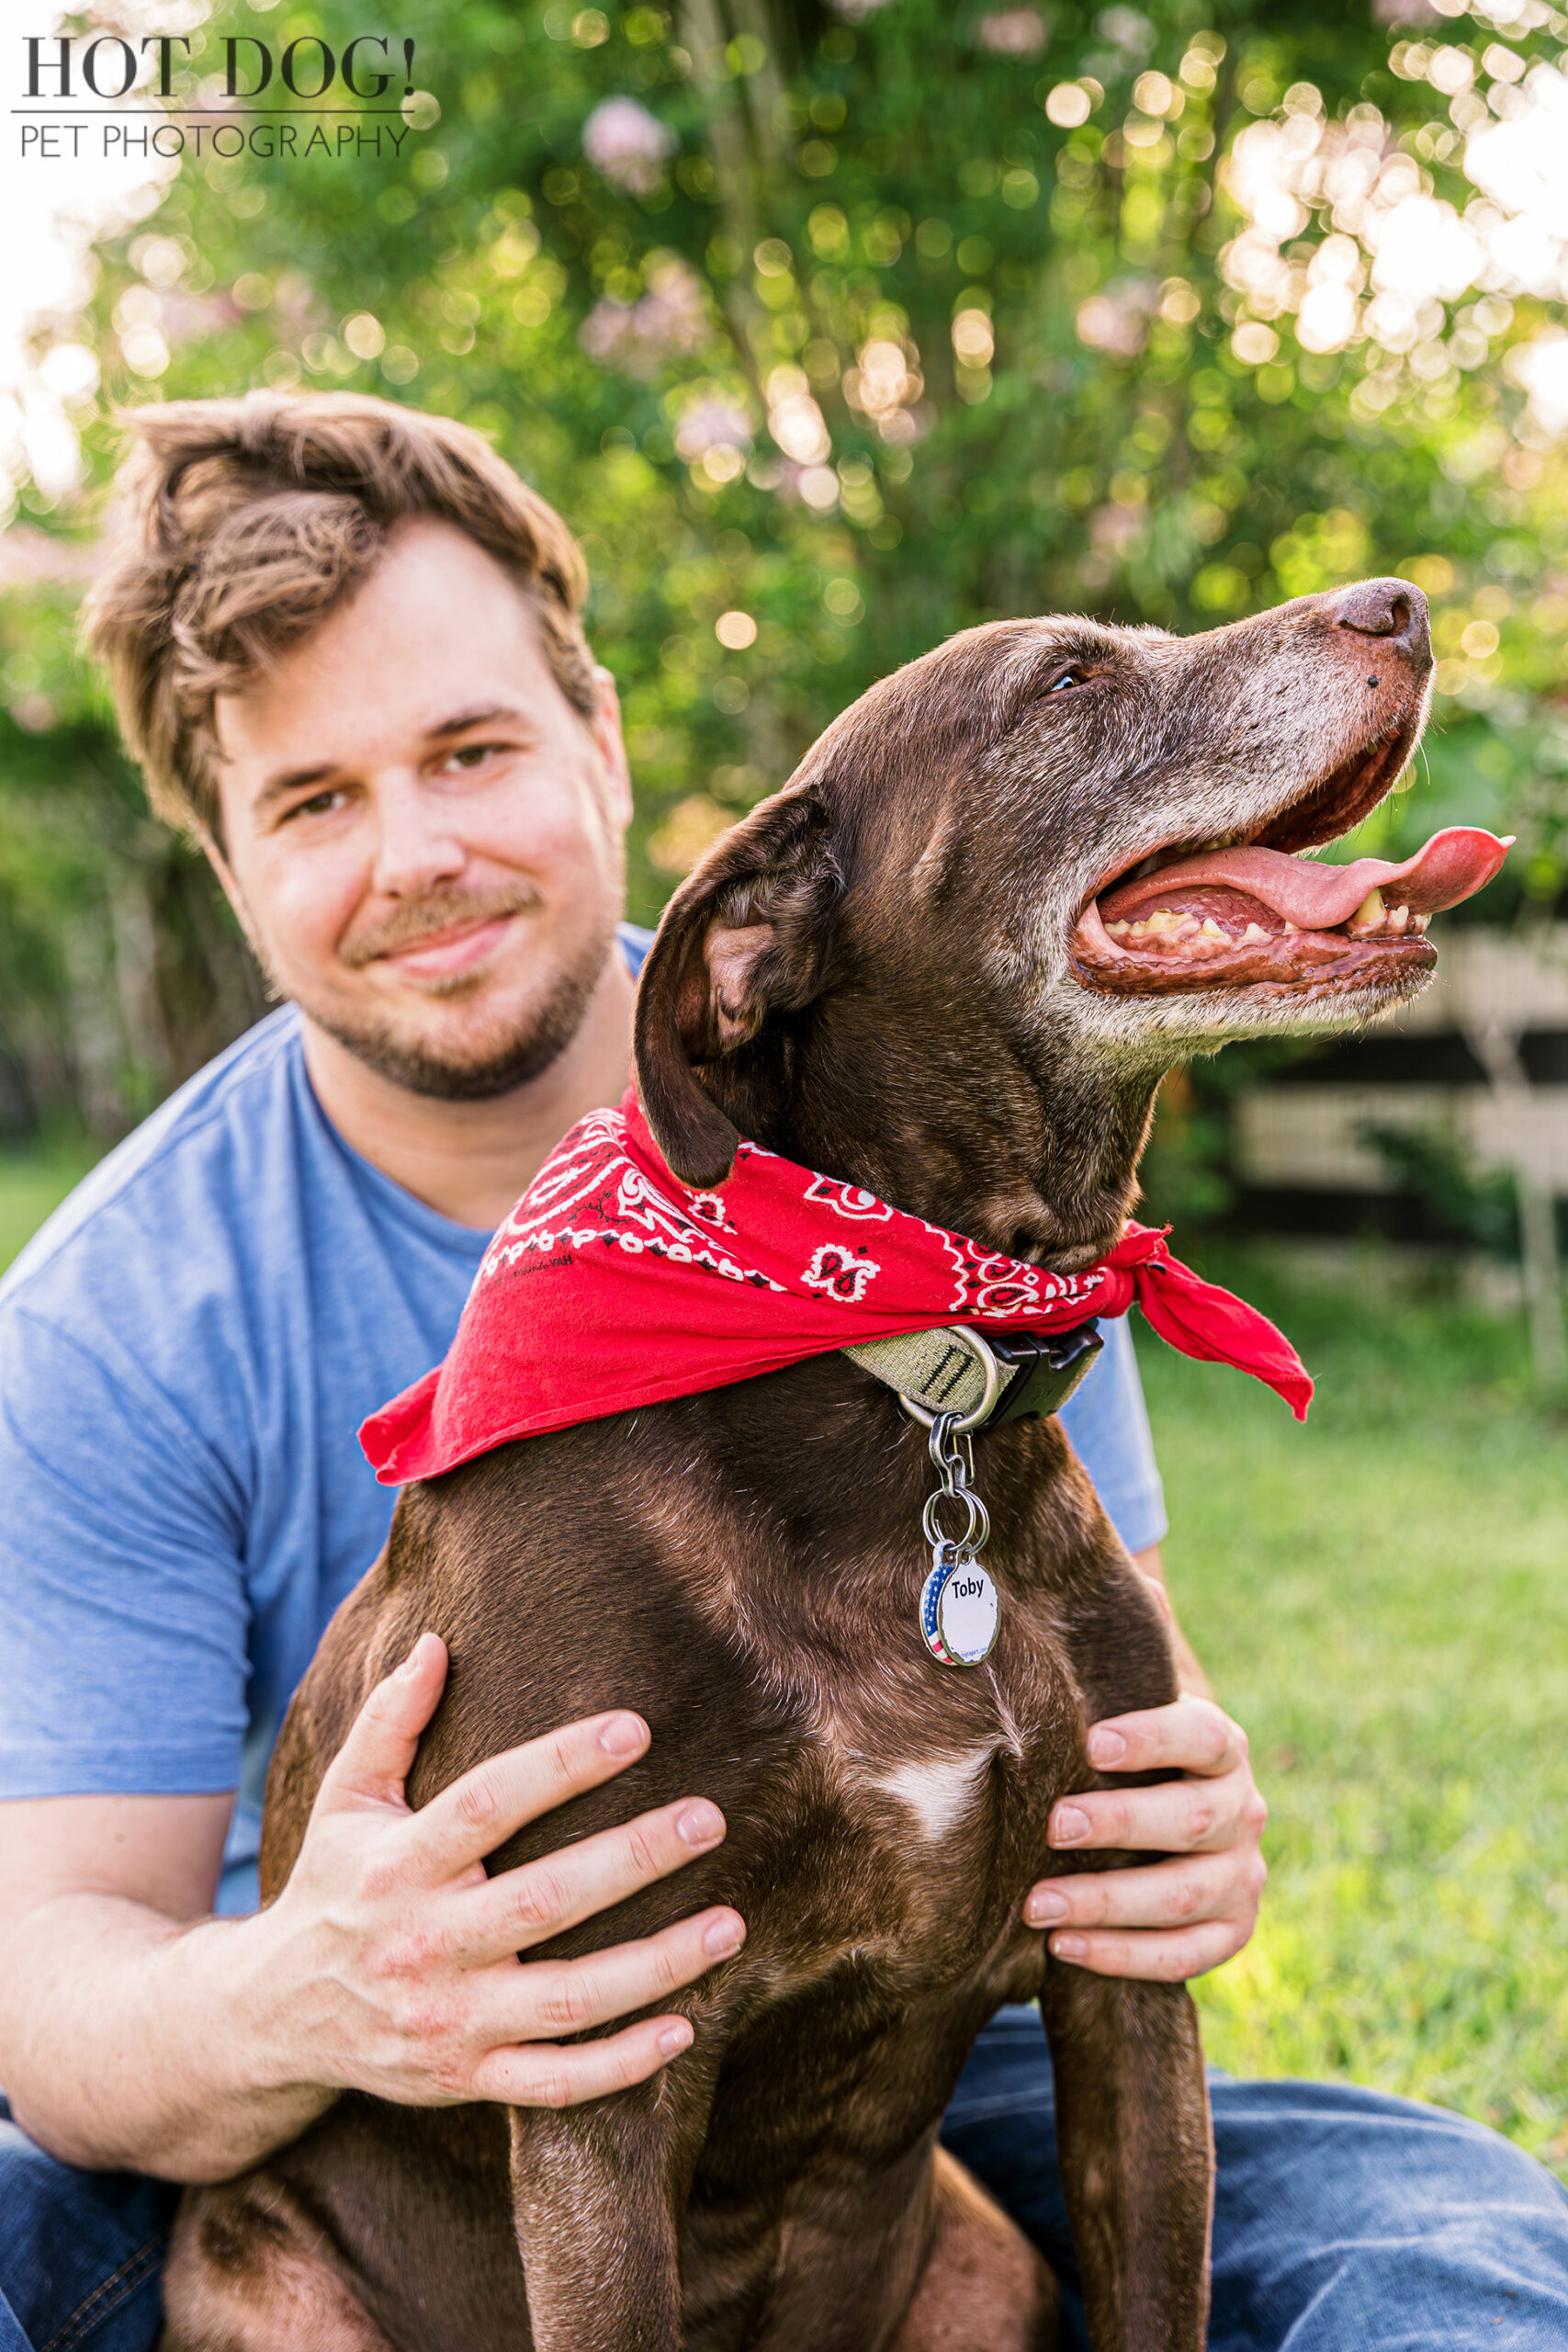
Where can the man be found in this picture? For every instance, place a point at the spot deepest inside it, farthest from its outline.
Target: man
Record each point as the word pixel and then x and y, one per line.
pixel 345 647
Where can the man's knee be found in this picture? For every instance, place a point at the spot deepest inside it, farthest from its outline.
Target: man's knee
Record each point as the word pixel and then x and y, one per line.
pixel 1344 2217
pixel 1353 2156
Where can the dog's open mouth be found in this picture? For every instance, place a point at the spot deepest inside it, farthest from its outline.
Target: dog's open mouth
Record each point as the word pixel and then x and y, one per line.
pixel 1250 911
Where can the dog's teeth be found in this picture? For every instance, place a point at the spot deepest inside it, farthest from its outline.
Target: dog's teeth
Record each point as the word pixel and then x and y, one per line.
pixel 1420 921
pixel 1289 926
pixel 1398 919
pixel 1211 929
pixel 1254 930
pixel 1369 914
pixel 1117 929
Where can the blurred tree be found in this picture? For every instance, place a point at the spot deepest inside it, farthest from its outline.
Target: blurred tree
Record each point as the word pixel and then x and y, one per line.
pixel 832 333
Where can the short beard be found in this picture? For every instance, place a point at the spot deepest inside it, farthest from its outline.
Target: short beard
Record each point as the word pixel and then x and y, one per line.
pixel 546 1031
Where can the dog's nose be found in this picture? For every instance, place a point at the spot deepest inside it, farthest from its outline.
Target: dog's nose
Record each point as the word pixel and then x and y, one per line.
pixel 1394 610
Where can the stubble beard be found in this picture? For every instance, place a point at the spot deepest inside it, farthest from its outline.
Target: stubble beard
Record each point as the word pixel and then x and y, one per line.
pixel 537 1037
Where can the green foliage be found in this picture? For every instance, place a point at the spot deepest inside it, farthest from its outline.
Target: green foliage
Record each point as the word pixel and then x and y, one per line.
pixel 866 346
pixel 1181 1170
pixel 1379 1599
pixel 1469 1202
pixel 33 1182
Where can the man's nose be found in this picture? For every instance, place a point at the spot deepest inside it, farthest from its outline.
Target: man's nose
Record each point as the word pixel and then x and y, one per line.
pixel 1394 611
pixel 417 849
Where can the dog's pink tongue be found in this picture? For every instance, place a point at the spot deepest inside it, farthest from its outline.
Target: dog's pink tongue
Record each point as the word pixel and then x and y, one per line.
pixel 1454 865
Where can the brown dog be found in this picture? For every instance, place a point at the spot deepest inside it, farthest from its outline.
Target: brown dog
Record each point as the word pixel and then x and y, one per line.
pixel 896 972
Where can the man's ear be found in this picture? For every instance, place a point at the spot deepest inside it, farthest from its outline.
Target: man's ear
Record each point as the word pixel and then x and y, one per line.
pixel 746 936
pixel 212 847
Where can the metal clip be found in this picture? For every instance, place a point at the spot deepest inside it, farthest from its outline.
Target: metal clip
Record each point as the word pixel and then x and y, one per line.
pixel 955 1466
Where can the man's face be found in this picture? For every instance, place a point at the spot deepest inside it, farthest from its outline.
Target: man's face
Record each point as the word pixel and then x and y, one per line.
pixel 423 837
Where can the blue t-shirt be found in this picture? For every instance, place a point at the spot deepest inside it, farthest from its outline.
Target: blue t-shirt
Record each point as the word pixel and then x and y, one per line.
pixel 187 1349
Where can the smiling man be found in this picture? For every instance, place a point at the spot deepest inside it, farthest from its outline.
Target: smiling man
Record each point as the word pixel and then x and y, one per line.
pixel 345 647
pixel 420 824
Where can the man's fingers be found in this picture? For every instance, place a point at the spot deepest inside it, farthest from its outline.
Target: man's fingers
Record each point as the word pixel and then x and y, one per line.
pixel 1190 1736
pixel 1154 1895
pixel 1168 1957
pixel 1174 1817
pixel 482 1810
pixel 544 1998
pixel 529 1905
pixel 377 1756
pixel 544 2076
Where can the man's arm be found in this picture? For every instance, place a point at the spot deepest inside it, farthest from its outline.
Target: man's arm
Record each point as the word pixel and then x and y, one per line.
pixel 1194 1683
pixel 137 2031
pixel 1179 1918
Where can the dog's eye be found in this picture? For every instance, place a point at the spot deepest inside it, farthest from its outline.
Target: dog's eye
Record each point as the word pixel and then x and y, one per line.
pixel 1067 678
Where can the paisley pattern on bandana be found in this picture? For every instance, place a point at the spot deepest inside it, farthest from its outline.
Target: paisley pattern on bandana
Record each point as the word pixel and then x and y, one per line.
pixel 613 1286
pixel 841 1272
pixel 848 1200
pixel 589 1191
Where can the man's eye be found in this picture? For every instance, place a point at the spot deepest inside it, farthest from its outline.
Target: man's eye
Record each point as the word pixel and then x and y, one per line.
pixel 320 804
pixel 470 755
pixel 1067 678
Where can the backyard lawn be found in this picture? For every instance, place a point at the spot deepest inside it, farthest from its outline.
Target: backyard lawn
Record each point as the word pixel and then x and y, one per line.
pixel 1383 1599
pixel 31 1183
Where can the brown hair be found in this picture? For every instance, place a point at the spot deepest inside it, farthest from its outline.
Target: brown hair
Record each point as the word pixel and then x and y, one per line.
pixel 250 519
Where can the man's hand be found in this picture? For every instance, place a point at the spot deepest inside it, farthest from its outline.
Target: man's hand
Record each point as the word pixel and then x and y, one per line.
pixel 1165 1919
pixel 397 1957
pixel 137 2033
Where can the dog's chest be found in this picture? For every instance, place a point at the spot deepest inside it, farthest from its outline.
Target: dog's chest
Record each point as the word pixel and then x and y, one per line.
pixel 926 1790
pixel 935 1793
pixel 978 1767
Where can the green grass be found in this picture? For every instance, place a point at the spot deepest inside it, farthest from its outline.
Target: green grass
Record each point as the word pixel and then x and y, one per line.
pixel 1383 1599
pixel 32 1182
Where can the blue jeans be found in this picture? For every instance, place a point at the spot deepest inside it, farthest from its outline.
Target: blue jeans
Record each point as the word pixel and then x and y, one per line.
pixel 1344 2221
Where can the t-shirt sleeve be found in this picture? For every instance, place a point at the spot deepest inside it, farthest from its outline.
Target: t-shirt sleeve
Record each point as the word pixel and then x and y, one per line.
pixel 123 1610
pixel 1108 1423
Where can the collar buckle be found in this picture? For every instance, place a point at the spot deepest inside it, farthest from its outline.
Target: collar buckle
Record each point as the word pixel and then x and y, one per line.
pixel 978 1381
pixel 1047 1368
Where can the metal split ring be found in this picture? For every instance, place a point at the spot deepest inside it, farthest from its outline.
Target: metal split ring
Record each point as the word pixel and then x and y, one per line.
pixel 977 1525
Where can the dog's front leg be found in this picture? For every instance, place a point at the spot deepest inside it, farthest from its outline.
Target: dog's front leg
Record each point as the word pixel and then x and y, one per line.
pixel 598 2195
pixel 1136 2154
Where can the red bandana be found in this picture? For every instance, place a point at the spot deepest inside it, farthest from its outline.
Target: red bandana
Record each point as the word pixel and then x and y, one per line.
pixel 612 1284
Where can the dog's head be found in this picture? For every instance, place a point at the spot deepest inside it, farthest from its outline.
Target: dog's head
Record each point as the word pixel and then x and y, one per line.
pixel 1020 877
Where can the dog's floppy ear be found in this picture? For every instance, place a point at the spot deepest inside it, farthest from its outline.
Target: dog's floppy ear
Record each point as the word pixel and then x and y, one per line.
pixel 744 936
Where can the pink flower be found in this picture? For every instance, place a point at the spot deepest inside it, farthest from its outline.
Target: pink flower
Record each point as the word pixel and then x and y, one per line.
pixel 1117 320
pixel 1013 32
pixel 712 423
pixel 628 145
pixel 637 337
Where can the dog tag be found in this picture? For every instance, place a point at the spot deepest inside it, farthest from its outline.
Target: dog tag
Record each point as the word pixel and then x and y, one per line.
pixel 960 1608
